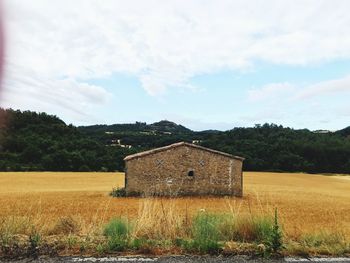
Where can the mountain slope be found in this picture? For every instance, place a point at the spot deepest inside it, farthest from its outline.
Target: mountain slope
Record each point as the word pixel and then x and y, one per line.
pixel 37 141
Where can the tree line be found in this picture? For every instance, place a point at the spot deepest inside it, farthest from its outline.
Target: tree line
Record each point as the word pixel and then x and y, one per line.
pixel 31 141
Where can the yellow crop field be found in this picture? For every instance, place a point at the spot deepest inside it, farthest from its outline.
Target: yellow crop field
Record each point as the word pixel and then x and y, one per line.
pixel 306 203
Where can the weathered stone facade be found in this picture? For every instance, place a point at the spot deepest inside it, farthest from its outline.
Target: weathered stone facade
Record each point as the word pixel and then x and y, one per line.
pixel 183 169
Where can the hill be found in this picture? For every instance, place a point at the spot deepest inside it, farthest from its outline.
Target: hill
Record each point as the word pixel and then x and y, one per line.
pixel 162 127
pixel 38 141
pixel 344 132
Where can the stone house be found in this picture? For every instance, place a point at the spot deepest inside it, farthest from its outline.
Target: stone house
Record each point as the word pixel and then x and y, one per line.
pixel 183 169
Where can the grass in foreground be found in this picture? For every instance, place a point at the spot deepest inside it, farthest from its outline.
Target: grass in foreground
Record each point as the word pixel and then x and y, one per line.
pixel 68 213
pixel 160 229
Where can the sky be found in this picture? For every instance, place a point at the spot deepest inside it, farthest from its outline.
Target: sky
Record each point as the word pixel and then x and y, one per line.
pixel 204 64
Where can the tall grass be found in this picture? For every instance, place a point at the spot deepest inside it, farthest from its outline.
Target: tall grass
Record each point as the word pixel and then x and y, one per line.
pixel 206 235
pixel 248 228
pixel 160 225
pixel 202 232
pixel 161 221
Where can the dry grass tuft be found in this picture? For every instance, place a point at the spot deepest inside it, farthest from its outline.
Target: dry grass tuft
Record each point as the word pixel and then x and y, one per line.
pixel 160 219
pixel 65 225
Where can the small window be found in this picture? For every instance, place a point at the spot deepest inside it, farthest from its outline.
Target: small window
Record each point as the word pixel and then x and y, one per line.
pixel 190 173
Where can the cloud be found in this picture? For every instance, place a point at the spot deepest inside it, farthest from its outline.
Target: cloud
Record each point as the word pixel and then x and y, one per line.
pixel 25 89
pixel 166 43
pixel 291 92
pixel 329 87
pixel 321 102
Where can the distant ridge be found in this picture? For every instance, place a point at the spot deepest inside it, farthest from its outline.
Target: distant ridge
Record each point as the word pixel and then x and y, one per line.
pixel 161 126
pixel 168 126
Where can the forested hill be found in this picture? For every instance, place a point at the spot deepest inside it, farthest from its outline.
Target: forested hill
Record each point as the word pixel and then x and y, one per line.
pixel 38 141
pixel 344 132
pixel 162 126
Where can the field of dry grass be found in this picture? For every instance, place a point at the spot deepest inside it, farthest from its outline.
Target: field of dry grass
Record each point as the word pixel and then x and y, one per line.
pixel 306 203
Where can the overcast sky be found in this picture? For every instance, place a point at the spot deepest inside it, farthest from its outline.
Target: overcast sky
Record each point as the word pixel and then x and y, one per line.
pixel 205 64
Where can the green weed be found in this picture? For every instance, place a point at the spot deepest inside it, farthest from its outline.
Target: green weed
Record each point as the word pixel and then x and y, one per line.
pixel 117 232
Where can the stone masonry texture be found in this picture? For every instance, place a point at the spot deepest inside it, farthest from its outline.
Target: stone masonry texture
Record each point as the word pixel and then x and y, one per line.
pixel 183 169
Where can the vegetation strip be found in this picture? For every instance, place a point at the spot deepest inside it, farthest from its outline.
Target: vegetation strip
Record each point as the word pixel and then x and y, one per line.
pixel 331 259
pixel 40 142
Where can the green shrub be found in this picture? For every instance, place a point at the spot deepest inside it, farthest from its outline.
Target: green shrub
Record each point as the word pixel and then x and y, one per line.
pixel 275 240
pixel 118 192
pixel 117 232
pixel 138 243
pixel 262 229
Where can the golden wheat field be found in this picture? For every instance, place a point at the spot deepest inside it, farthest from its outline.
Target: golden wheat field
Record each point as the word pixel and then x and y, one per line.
pixel 306 203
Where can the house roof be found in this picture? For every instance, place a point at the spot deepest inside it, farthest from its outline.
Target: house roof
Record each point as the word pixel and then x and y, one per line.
pixel 178 144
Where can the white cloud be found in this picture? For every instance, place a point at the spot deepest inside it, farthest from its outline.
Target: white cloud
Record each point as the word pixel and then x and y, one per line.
pixel 321 102
pixel 165 43
pixel 285 91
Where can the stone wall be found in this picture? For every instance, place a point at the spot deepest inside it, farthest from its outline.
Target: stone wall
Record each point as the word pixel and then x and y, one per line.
pixel 184 170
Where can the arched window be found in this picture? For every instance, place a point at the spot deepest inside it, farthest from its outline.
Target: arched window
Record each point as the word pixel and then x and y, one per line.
pixel 190 173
